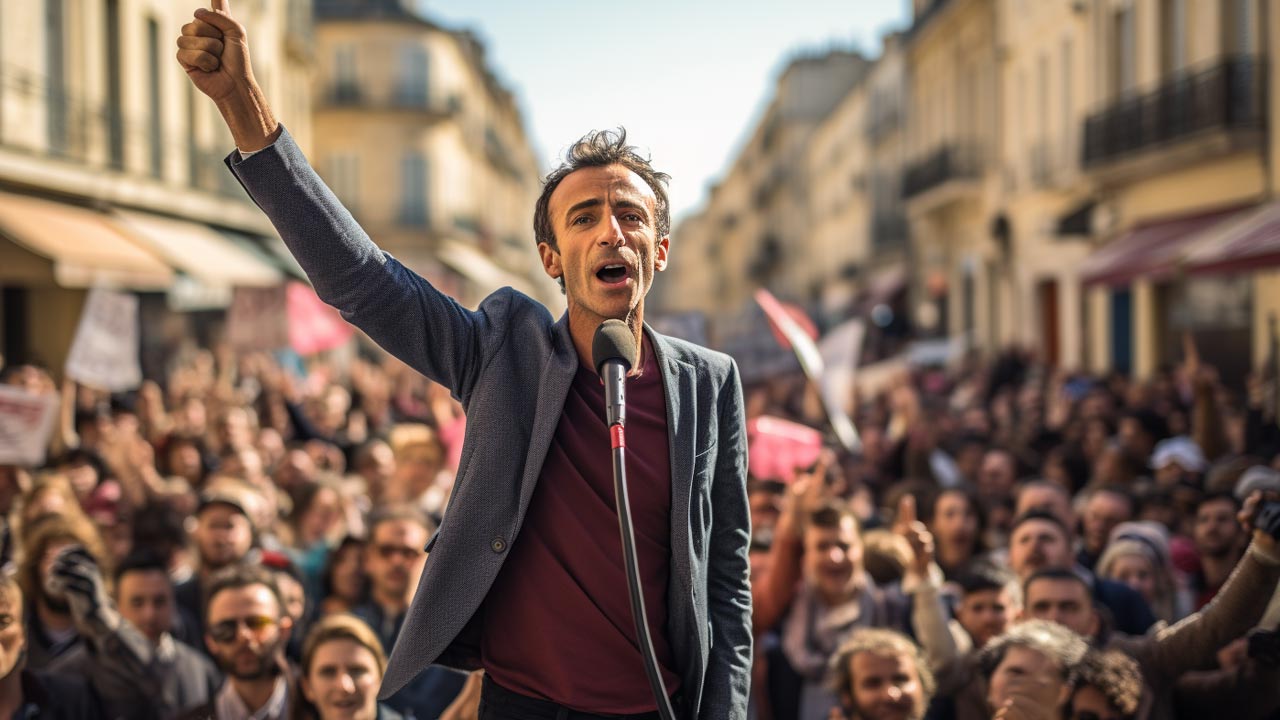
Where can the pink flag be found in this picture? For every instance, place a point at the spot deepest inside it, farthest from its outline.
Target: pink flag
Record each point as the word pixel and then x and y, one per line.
pixel 313 326
pixel 780 447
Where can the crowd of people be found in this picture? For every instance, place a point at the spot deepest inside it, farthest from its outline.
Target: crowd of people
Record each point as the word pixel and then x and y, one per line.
pixel 241 541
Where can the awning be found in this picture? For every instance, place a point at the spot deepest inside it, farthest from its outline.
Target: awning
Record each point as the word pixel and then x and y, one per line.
pixel 270 249
pixel 86 247
pixel 1252 241
pixel 201 252
pixel 1152 250
pixel 475 266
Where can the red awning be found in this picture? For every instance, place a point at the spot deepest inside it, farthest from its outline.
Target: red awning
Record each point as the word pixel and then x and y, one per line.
pixel 1151 250
pixel 1251 242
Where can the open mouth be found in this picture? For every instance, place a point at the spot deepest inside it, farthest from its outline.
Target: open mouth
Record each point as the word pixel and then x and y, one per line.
pixel 612 274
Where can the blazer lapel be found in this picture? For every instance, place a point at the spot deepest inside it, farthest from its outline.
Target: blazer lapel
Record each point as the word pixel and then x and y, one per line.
pixel 556 379
pixel 679 382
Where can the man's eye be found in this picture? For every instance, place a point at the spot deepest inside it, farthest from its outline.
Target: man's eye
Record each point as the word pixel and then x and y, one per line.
pixel 581 219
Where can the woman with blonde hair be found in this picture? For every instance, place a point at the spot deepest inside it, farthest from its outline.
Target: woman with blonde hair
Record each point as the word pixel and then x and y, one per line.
pixel 342 667
pixel 1138 556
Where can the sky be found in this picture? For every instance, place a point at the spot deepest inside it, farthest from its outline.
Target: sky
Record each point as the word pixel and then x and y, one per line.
pixel 687 78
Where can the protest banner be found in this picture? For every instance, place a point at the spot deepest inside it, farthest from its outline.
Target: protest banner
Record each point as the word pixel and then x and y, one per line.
pixel 104 354
pixel 314 326
pixel 26 422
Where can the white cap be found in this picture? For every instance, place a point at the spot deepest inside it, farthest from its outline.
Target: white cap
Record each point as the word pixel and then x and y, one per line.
pixel 1181 450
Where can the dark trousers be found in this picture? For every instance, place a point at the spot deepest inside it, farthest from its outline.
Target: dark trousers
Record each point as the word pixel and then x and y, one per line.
pixel 499 703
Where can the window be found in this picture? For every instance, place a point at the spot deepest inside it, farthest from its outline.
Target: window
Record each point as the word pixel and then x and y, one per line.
pixel 1239 19
pixel 115 117
pixel 1173 36
pixel 55 69
pixel 1068 105
pixel 344 179
pixel 346 88
pixel 1123 51
pixel 413 190
pixel 411 89
pixel 156 106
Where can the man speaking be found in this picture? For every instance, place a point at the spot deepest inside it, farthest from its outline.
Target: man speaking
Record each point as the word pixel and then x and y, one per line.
pixel 526 576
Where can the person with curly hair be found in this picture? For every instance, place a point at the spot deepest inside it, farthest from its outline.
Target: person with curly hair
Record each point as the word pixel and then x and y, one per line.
pixel 881 674
pixel 1108 687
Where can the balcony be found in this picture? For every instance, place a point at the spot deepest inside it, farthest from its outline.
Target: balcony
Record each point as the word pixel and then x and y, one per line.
pixel 948 174
pixel 401 98
pixel 1196 114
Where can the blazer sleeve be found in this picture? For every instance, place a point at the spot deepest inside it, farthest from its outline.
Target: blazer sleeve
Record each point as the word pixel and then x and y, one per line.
pixel 728 676
pixel 396 307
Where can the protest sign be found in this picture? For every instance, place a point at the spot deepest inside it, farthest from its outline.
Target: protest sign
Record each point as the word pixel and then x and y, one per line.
pixel 314 326
pixel 26 422
pixel 104 354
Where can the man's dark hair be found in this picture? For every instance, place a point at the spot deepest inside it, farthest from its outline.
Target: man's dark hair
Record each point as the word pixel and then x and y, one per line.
pixel 1218 497
pixel 829 515
pixel 239 576
pixel 601 148
pixel 984 576
pixel 141 560
pixel 1057 574
pixel 1065 648
pixel 404 512
pixel 1038 514
pixel 1115 675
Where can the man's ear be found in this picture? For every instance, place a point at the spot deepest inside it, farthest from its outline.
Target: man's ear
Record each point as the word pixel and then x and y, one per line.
pixel 550 261
pixel 660 260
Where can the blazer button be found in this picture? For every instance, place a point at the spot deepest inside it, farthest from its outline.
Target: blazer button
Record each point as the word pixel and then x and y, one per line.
pixel 498 544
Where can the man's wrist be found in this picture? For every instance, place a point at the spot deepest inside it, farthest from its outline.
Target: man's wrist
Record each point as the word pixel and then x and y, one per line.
pixel 253 126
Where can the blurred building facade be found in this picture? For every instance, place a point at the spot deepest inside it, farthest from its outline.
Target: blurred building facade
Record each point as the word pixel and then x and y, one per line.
pixel 427 148
pixel 111 165
pixel 1089 179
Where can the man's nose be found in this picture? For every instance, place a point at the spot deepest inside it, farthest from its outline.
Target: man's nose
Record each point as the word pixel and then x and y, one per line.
pixel 612 233
pixel 348 683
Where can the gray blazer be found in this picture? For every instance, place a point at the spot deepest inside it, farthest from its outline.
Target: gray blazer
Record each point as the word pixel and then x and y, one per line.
pixel 510 365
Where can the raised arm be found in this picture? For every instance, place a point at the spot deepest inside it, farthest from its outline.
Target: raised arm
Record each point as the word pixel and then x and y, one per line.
pixel 397 308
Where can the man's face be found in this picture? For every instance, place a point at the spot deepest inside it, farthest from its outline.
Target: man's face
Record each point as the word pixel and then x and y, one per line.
pixel 986 614
pixel 766 506
pixel 246 632
pixel 833 560
pixel 1136 442
pixel 1028 674
pixel 378 468
pixel 886 686
pixel 1102 513
pixel 604 217
pixel 394 557
pixel 1065 602
pixel 343 681
pixel 1217 532
pixel 1088 703
pixel 1036 545
pixel 223 536
pixel 996 478
pixel 12 639
pixel 955 521
pixel 295 598
pixel 145 599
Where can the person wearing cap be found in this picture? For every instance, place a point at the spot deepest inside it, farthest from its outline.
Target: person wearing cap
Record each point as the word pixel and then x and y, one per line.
pixel 223 536
pixel 1178 459
pixel 1137 555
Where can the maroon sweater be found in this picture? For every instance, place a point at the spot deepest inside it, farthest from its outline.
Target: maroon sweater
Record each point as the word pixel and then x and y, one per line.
pixel 557 621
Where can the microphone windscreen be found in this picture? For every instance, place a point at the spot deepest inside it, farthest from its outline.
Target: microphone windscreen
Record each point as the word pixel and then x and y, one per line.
pixel 613 341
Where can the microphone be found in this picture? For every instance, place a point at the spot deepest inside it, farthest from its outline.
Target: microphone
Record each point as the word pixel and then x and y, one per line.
pixel 612 351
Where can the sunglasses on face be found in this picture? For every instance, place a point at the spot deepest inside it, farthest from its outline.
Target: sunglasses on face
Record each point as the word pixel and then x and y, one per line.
pixel 225 632
pixel 386 552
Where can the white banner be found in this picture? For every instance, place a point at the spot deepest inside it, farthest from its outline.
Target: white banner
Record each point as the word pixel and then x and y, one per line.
pixel 26 421
pixel 104 354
